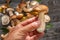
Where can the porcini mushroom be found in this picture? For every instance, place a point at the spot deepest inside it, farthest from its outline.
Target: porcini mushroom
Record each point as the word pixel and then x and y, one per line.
pixel 10 11
pixel 4 8
pixel 19 16
pixel 42 9
pixel 34 3
pixel 20 6
pixel 28 8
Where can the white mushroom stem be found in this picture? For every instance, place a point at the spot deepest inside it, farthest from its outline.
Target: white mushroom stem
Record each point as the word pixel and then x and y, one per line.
pixel 27 3
pixel 42 20
pixel 10 10
pixel 11 13
pixel 3 36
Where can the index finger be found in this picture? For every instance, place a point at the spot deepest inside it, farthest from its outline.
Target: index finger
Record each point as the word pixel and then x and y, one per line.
pixel 28 21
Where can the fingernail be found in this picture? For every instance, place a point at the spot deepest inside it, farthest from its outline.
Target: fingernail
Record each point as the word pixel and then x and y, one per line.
pixel 36 24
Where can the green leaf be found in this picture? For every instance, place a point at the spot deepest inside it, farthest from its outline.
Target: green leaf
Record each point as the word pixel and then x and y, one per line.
pixel 49 25
pixel 5 30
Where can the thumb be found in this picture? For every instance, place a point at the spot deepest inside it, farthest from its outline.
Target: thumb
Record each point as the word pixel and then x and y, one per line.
pixel 31 26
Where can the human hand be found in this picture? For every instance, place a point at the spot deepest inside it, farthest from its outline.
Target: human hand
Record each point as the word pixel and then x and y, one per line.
pixel 26 30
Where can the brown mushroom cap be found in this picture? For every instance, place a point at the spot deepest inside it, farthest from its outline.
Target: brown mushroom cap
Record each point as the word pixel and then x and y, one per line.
pixel 19 16
pixel 41 8
pixel 4 6
pixel 1 9
pixel 13 17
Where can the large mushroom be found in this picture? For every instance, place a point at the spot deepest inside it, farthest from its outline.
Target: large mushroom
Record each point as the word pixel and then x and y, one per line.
pixel 42 9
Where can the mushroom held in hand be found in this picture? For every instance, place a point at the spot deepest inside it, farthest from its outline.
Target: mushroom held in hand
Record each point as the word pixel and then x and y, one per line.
pixel 42 9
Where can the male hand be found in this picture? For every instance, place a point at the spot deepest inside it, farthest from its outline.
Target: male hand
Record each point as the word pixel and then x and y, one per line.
pixel 25 30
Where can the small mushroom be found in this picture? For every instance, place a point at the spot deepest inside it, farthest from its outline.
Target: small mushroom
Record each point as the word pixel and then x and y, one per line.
pixel 5 20
pixel 9 28
pixel 34 3
pixel 3 36
pixel 4 8
pixel 20 6
pixel 27 4
pixel 47 18
pixel 28 8
pixel 10 11
pixel 19 16
pixel 29 15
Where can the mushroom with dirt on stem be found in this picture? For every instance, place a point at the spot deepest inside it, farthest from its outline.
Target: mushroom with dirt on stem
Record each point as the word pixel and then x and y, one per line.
pixel 42 9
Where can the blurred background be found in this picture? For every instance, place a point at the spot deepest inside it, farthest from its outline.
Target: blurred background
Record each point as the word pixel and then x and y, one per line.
pixel 53 31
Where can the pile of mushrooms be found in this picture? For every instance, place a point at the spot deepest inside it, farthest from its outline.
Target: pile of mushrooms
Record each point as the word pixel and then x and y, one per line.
pixel 27 10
